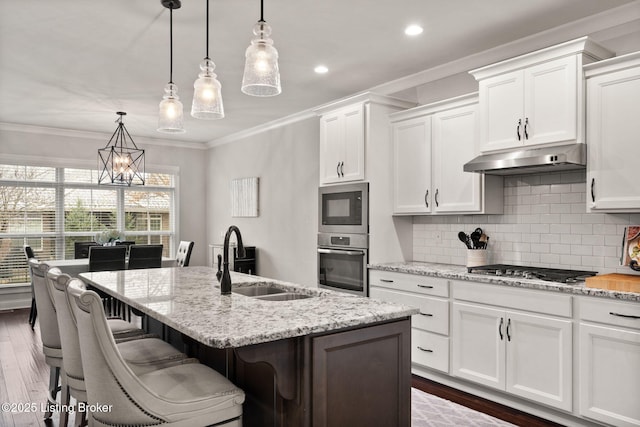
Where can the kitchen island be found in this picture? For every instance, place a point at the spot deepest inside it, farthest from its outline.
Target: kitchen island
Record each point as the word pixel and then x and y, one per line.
pixel 323 358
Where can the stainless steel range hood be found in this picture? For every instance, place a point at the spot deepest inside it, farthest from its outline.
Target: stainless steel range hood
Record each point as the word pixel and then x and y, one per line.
pixel 547 159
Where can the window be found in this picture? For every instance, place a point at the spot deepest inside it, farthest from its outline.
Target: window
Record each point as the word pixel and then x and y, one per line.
pixel 51 208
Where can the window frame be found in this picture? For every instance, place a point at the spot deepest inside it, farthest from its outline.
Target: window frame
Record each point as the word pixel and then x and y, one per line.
pixel 60 235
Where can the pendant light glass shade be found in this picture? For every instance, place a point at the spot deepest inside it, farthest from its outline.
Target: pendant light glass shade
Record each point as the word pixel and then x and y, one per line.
pixel 261 74
pixel 207 90
pixel 207 94
pixel 121 162
pixel 170 115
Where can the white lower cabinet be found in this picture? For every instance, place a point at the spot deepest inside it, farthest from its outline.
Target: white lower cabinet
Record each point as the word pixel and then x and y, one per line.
pixel 525 354
pixel 609 385
pixel 430 327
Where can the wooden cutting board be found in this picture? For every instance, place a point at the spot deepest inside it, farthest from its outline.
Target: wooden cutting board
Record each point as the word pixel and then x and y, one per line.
pixel 615 282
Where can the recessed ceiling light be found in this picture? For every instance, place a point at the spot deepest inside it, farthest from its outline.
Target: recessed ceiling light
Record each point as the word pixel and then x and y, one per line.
pixel 413 30
pixel 321 69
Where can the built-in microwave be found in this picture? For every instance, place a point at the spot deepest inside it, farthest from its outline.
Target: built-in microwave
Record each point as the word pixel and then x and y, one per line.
pixel 344 208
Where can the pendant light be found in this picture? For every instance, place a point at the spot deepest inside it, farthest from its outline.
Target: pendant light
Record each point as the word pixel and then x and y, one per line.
pixel 261 74
pixel 170 117
pixel 121 162
pixel 207 90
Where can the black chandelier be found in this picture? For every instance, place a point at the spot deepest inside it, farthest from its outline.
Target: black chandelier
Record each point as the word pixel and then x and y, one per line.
pixel 121 162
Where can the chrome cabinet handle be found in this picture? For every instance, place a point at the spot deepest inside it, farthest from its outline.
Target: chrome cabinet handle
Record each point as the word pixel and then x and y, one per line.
pixel 427 314
pixel 436 197
pixel 628 316
pixel 426 200
pixel 526 125
pixel 342 169
pixel 500 328
pixel 593 193
pixel 386 280
pixel 425 286
pixel 509 330
pixel 338 169
pixel 518 129
pixel 425 349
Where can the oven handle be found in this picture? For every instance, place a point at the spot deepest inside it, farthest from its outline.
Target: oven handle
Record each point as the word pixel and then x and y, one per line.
pixel 340 252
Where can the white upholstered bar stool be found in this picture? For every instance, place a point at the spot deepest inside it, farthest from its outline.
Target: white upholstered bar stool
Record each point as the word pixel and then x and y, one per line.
pixel 143 354
pixel 185 395
pixel 49 332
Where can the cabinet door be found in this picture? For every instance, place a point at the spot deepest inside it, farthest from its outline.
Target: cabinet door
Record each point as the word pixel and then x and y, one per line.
pixel 412 166
pixel 502 106
pixel 613 130
pixel 455 142
pixel 610 375
pixel 550 109
pixel 539 359
pixel 478 344
pixel 353 167
pixel 331 147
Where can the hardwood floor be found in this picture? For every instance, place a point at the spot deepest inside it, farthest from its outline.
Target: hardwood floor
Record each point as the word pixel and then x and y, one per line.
pixel 24 377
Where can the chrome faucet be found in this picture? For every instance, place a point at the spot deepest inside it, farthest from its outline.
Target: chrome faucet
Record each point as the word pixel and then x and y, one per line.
pixel 225 277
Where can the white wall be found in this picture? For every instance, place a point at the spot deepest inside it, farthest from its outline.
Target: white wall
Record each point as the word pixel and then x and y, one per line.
pixel 81 148
pixel 285 232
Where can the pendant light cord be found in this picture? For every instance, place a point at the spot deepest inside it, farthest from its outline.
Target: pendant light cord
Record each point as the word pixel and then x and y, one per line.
pixel 261 10
pixel 207 30
pixel 170 45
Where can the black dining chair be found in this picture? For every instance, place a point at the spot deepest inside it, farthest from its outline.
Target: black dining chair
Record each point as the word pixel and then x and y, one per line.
pixel 184 253
pixel 81 249
pixel 126 243
pixel 28 253
pixel 105 258
pixel 145 256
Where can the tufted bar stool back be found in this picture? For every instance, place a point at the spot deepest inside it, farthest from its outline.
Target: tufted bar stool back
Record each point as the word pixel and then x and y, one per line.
pixel 186 395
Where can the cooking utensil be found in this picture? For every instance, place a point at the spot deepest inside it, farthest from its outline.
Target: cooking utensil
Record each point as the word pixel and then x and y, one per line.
pixel 475 238
pixel 484 239
pixel 464 238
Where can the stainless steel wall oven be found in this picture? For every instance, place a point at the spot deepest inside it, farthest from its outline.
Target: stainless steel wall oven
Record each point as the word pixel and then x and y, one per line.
pixel 344 208
pixel 342 262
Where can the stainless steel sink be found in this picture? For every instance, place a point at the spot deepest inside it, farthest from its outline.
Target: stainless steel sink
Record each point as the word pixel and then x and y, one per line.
pixel 257 290
pixel 287 296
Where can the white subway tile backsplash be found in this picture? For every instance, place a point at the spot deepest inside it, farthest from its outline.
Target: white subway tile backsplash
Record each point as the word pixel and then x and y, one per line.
pixel 545 223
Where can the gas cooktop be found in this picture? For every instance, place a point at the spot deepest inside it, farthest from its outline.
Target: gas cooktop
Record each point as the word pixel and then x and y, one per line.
pixel 539 273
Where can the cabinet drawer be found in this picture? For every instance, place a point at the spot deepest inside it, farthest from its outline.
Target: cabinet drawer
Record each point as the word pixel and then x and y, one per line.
pixel 410 282
pixel 595 309
pixel 430 350
pixel 434 312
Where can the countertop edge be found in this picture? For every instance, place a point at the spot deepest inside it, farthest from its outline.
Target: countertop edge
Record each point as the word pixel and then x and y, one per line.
pixel 458 272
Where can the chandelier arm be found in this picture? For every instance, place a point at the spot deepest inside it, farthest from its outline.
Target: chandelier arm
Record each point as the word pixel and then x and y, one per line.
pixel 130 139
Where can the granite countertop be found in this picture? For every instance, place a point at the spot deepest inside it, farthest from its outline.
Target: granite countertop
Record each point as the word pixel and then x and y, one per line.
pixel 459 272
pixel 188 299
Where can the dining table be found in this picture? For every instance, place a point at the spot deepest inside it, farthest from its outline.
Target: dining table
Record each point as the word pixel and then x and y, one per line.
pixel 298 358
pixel 73 267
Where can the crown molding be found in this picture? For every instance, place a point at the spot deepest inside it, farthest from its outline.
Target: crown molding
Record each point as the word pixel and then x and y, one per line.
pixel 293 118
pixel 589 25
pixel 80 134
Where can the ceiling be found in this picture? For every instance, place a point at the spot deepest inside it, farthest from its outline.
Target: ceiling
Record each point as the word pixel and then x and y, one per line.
pixel 72 64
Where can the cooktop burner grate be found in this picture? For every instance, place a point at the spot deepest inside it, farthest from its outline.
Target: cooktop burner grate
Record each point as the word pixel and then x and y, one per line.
pixel 539 273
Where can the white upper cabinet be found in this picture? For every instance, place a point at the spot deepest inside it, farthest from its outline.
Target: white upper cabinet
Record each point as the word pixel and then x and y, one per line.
pixel 431 144
pixel 535 99
pixel 344 128
pixel 342 145
pixel 411 155
pixel 613 133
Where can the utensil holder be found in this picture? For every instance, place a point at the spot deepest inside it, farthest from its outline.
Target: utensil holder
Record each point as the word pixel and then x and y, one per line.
pixel 476 257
